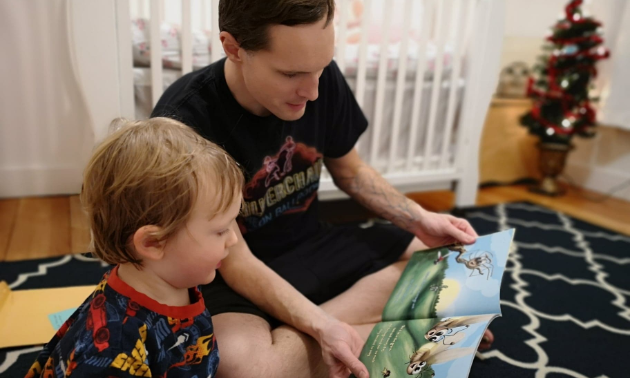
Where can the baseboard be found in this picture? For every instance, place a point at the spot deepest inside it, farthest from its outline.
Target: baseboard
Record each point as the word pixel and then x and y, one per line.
pixel 522 181
pixel 328 192
pixel 601 180
pixel 39 181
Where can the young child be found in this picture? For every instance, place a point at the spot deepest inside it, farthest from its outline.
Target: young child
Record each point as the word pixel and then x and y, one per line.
pixel 161 201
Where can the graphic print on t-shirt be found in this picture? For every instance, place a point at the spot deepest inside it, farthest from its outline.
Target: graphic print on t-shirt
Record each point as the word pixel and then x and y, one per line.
pixel 286 183
pixel 278 167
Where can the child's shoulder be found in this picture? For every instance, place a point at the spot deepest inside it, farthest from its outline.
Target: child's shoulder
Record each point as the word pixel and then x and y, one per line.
pixel 105 320
pixel 97 335
pixel 111 332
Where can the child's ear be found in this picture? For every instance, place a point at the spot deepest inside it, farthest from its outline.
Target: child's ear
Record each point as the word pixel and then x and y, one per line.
pixel 147 245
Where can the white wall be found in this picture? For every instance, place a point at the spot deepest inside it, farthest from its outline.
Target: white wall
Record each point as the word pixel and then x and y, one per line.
pixel 601 163
pixel 616 91
pixel 96 39
pixel 43 122
pixel 47 130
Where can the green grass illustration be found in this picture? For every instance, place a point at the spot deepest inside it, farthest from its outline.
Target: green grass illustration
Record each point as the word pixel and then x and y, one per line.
pixel 413 297
pixel 391 344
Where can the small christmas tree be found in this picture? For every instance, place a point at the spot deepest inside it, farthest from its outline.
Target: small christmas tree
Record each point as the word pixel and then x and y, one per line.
pixel 561 106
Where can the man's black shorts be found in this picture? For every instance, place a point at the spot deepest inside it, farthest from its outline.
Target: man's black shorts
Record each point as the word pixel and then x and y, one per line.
pixel 322 267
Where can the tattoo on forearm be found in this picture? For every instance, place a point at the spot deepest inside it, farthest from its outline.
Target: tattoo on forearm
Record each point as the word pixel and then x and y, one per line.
pixel 370 189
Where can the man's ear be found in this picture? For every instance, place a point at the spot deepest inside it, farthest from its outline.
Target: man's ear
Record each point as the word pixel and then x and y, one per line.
pixel 230 46
pixel 147 245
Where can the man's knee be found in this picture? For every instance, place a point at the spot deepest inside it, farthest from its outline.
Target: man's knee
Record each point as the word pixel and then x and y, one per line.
pixel 244 341
pixel 248 346
pixel 240 357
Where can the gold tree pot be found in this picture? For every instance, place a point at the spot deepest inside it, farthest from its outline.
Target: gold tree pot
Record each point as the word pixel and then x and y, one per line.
pixel 551 161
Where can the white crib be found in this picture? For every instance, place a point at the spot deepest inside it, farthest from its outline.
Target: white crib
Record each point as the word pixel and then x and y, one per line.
pixel 425 92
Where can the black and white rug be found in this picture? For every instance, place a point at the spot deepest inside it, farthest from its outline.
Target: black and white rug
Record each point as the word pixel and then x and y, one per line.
pixel 69 270
pixel 565 296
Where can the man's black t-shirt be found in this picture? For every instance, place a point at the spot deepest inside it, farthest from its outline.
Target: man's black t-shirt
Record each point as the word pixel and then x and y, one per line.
pixel 281 160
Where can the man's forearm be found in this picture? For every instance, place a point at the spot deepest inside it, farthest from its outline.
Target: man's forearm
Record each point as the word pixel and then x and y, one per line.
pixel 371 190
pixel 254 280
pixel 251 278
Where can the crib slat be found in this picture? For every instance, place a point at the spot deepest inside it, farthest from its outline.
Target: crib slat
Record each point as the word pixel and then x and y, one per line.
pixel 215 44
pixel 342 5
pixel 400 86
pixel 362 65
pixel 146 8
pixel 380 84
pixel 440 32
pixel 186 37
pixel 475 21
pixel 456 58
pixel 156 54
pixel 141 8
pixel 427 24
pixel 204 15
pixel 470 23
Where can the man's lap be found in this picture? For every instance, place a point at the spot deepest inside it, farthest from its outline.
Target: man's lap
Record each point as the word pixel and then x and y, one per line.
pixel 321 268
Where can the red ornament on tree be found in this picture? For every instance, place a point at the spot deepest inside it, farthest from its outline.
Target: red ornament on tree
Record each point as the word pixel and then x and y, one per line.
pixel 560 89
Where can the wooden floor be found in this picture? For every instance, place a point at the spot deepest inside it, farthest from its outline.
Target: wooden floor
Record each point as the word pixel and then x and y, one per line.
pixel 53 226
pixel 611 213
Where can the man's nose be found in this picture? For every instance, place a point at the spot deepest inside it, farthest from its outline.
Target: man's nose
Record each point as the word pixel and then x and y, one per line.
pixel 309 87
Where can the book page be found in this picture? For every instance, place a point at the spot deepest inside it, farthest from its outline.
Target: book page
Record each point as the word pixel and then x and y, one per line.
pixel 424 348
pixel 452 281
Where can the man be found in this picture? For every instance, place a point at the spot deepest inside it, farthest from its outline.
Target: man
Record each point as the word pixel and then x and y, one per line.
pixel 282 109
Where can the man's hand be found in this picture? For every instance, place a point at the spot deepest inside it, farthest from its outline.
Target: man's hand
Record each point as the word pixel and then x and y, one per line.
pixel 367 187
pixel 435 229
pixel 341 345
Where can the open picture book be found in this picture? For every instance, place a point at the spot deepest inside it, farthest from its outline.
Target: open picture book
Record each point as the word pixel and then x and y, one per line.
pixel 438 312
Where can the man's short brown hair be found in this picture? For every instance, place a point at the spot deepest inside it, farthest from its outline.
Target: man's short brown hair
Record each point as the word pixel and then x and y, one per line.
pixel 248 20
pixel 151 173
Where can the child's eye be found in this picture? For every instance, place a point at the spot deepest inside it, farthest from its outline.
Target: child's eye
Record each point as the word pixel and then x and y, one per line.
pixel 221 233
pixel 290 75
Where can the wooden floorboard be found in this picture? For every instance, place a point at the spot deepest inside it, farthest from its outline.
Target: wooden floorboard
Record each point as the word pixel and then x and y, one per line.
pixel 8 210
pixel 438 201
pixel 42 229
pixel 611 213
pixel 52 226
pixel 79 228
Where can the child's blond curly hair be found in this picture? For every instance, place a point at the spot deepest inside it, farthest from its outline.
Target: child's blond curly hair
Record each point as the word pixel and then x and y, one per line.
pixel 150 173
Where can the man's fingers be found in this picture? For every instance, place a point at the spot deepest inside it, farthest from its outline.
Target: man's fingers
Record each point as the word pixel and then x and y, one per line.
pixel 464 225
pixel 461 235
pixel 468 228
pixel 356 367
pixel 338 371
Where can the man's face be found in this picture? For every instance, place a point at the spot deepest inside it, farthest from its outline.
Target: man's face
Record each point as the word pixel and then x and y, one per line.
pixel 283 77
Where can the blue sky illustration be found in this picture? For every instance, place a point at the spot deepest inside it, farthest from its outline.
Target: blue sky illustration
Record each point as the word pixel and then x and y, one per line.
pixel 479 295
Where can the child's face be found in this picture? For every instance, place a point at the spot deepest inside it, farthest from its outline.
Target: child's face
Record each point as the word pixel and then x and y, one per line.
pixel 192 255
